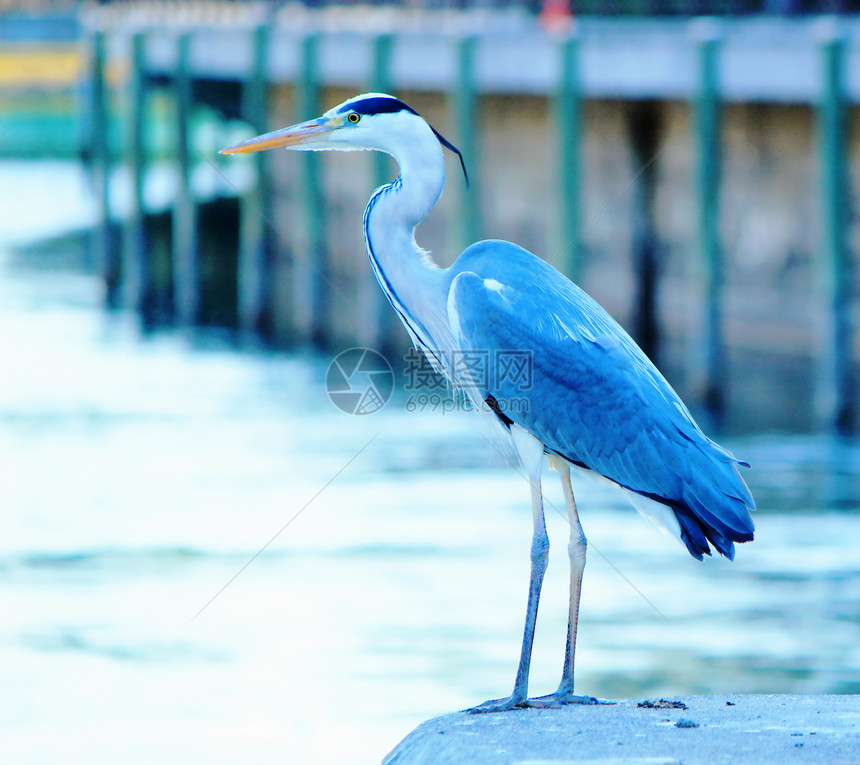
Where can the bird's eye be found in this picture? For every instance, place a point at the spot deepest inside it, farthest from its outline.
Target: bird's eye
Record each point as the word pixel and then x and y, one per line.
pixel 353 117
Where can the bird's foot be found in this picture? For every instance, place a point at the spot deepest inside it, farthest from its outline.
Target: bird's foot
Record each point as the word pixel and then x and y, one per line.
pixel 550 701
pixel 498 705
pixel 559 699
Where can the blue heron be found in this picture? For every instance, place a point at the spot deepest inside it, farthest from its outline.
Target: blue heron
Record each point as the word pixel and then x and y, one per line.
pixel 595 403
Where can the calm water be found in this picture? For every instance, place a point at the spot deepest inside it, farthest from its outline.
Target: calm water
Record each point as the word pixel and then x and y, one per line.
pixel 143 477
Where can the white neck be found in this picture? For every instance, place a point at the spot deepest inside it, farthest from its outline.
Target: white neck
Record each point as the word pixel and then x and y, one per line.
pixel 414 284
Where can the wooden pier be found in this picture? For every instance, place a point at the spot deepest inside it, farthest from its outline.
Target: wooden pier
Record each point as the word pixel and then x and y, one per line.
pixel 694 175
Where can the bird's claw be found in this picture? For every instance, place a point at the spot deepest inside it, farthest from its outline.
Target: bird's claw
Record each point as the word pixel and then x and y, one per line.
pixel 498 705
pixel 560 699
pixel 550 701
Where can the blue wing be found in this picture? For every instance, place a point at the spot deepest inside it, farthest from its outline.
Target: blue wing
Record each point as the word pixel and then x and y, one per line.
pixel 590 394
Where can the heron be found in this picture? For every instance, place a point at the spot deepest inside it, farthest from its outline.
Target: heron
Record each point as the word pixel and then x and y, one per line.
pixel 595 403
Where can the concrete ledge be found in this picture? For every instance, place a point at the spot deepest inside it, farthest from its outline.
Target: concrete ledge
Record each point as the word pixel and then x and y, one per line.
pixel 690 729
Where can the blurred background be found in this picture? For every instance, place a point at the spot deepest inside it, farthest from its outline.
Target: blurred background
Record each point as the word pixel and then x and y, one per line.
pixel 203 559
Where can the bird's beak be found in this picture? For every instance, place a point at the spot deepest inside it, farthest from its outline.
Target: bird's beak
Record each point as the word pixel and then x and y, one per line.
pixel 297 136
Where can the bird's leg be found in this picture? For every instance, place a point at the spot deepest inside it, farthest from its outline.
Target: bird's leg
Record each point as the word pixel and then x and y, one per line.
pixel 576 548
pixel 539 555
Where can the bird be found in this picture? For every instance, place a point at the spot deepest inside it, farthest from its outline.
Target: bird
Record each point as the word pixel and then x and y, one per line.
pixel 586 398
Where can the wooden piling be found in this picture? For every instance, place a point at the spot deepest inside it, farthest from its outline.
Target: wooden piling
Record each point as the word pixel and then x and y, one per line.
pixel 135 267
pixel 644 122
pixel 106 246
pixel 255 298
pixel 312 276
pixel 567 114
pixel 835 394
pixel 465 106
pixel 186 245
pixel 387 324
pixel 380 82
pixel 712 375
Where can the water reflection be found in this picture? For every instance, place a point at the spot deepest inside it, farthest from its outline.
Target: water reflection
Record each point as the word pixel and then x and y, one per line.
pixel 794 474
pixel 141 477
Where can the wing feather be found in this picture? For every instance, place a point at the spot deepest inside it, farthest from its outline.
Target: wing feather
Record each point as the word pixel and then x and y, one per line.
pixel 593 397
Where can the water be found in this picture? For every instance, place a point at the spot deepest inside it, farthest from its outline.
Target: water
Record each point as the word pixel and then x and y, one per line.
pixel 203 560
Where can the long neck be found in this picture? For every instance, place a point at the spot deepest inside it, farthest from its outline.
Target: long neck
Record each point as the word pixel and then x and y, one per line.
pixel 415 286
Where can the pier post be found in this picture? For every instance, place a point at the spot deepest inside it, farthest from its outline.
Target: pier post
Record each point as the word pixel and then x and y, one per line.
pixel 567 114
pixel 255 245
pixel 643 123
pixel 383 172
pixel 312 290
pixel 835 395
pixel 712 375
pixel 135 267
pixel 186 244
pixel 465 108
pixel 106 245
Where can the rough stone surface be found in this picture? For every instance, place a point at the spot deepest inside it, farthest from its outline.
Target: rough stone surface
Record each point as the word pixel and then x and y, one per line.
pixel 728 729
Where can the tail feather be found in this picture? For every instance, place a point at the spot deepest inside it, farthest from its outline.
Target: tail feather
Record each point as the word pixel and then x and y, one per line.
pixel 693 535
pixel 696 534
pixel 715 505
pixel 724 520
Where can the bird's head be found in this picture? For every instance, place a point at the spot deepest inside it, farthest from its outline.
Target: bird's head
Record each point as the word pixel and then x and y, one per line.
pixel 374 121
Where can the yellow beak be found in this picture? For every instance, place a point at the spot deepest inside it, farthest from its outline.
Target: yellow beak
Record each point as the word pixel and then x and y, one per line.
pixel 301 135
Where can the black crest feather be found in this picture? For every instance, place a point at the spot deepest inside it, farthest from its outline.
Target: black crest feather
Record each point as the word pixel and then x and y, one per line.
pixel 450 146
